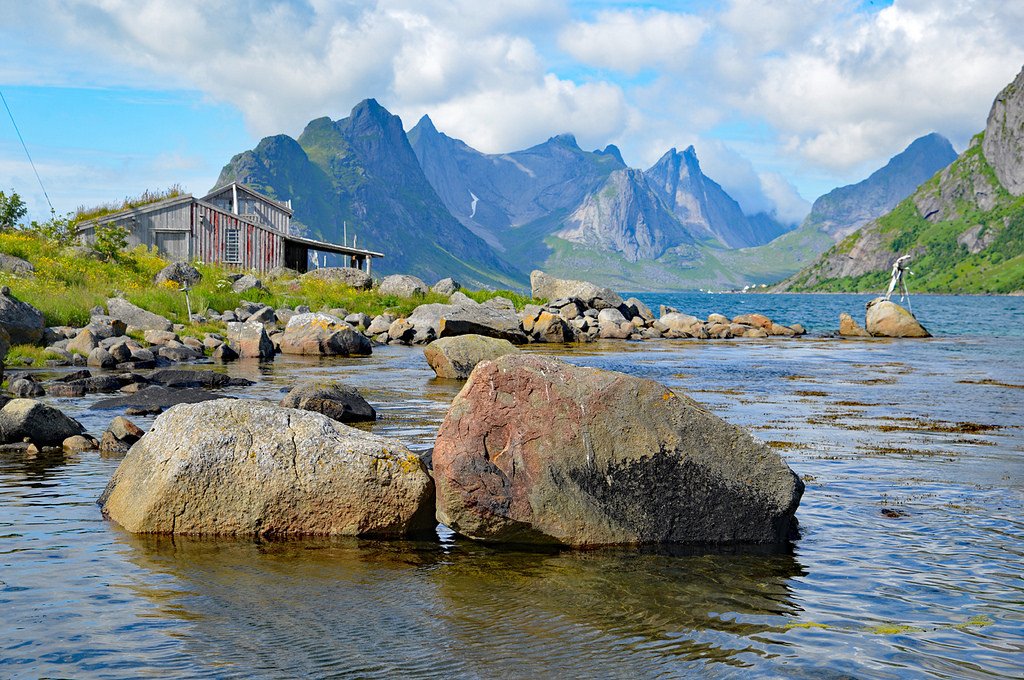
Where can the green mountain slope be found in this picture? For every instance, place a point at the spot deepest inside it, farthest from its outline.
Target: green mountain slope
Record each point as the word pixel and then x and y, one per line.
pixel 963 228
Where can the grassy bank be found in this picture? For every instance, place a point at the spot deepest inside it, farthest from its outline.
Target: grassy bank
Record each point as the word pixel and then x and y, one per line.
pixel 68 283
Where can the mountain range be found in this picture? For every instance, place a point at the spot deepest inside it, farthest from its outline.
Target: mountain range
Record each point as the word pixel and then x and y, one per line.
pixel 963 227
pixel 437 207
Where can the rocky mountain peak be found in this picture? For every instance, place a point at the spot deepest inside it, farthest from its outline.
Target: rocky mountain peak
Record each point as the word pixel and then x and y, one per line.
pixel 845 209
pixel 611 150
pixel 426 125
pixel 1004 136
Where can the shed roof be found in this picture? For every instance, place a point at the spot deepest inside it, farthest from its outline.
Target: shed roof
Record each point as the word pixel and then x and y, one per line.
pixel 252 192
pixel 331 247
pixel 138 210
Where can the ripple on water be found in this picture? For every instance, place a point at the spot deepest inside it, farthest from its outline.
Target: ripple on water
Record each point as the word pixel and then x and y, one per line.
pixel 909 562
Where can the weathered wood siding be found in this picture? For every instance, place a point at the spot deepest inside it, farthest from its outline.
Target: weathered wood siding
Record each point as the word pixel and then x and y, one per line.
pixel 259 248
pixel 259 211
pixel 145 225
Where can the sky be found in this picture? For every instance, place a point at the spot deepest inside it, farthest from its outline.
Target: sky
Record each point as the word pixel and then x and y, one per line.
pixel 783 100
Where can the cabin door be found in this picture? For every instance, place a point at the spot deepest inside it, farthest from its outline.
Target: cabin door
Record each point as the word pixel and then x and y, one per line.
pixel 173 245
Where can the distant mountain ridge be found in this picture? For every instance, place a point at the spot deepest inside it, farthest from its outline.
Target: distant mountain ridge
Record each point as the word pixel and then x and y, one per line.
pixel 437 207
pixel 553 204
pixel 846 209
pixel 964 227
pixel 361 172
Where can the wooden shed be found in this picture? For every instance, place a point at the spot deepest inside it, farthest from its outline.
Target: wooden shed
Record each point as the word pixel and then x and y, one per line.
pixel 232 225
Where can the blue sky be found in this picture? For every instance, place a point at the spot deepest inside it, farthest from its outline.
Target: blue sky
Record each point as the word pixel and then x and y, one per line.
pixel 782 100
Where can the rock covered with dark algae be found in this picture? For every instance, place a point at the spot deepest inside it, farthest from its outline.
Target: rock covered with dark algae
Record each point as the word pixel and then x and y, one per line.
pixel 243 467
pixel 534 450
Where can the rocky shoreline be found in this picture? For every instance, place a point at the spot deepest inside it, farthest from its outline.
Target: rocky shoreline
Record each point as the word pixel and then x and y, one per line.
pixel 587 483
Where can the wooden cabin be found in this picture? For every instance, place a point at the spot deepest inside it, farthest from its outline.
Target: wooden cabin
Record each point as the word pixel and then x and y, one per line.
pixel 232 225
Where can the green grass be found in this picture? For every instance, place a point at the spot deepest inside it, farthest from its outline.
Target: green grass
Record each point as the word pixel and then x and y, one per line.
pixel 29 355
pixel 145 198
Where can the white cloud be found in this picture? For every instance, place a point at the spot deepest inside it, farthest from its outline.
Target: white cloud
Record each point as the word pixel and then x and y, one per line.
pixel 819 91
pixel 497 120
pixel 631 40
pixel 866 84
pixel 756 192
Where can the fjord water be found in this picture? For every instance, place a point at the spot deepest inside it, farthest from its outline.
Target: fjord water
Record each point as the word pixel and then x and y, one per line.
pixel 910 561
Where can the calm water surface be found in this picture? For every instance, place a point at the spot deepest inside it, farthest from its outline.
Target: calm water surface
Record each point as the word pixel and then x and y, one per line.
pixel 909 565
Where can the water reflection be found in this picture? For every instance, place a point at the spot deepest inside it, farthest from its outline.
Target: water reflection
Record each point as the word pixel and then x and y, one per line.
pixel 457 608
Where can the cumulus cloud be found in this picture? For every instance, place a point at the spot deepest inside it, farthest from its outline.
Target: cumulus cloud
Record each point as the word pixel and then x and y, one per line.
pixel 631 40
pixel 865 84
pixel 821 89
pixel 756 192
pixel 285 63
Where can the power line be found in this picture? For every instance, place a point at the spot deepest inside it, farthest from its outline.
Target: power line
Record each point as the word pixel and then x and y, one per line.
pixel 23 146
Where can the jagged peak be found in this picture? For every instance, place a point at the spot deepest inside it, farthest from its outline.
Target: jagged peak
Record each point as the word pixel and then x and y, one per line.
pixel 566 138
pixel 426 124
pixel 613 151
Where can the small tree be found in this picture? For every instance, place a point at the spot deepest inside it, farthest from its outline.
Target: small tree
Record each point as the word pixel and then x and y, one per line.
pixel 12 209
pixel 110 241
pixel 60 230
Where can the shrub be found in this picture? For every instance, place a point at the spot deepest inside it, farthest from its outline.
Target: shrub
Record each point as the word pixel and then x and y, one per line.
pixel 110 242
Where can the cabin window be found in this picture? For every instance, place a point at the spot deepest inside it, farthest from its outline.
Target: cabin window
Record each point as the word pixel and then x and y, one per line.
pixel 231 253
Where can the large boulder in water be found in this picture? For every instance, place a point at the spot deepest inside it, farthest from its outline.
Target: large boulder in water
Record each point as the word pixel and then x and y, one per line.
pixel 322 334
pixel 887 319
pixel 456 357
pixel 334 400
pixel 249 340
pixel 38 422
pixel 534 450
pixel 23 322
pixel 241 467
pixel 474 319
pixel 848 328
pixel 551 288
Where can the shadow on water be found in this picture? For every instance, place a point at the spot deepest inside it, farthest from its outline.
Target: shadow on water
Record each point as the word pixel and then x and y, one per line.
pixel 460 608
pixel 37 466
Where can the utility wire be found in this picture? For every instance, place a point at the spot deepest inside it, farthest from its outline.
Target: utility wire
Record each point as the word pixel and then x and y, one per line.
pixel 30 161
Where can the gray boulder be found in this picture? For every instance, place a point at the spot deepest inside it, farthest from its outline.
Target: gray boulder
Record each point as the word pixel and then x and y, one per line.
pixel 446 286
pixel 101 358
pixel 119 437
pixel 455 358
pixel 349 276
pixel 249 468
pixel 245 283
pixel 15 265
pixel 322 334
pixel 403 285
pixel 535 450
pixel 155 398
pixel 41 424
pixel 181 273
pixel 332 399
pixel 103 326
pixel 493 322
pixel 249 340
pixel 551 288
pixel 23 322
pixel 135 317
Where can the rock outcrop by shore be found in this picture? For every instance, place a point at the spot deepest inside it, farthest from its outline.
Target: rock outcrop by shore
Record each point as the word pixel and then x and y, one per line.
pixel 247 468
pixel 455 358
pixel 534 450
pixel 887 319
